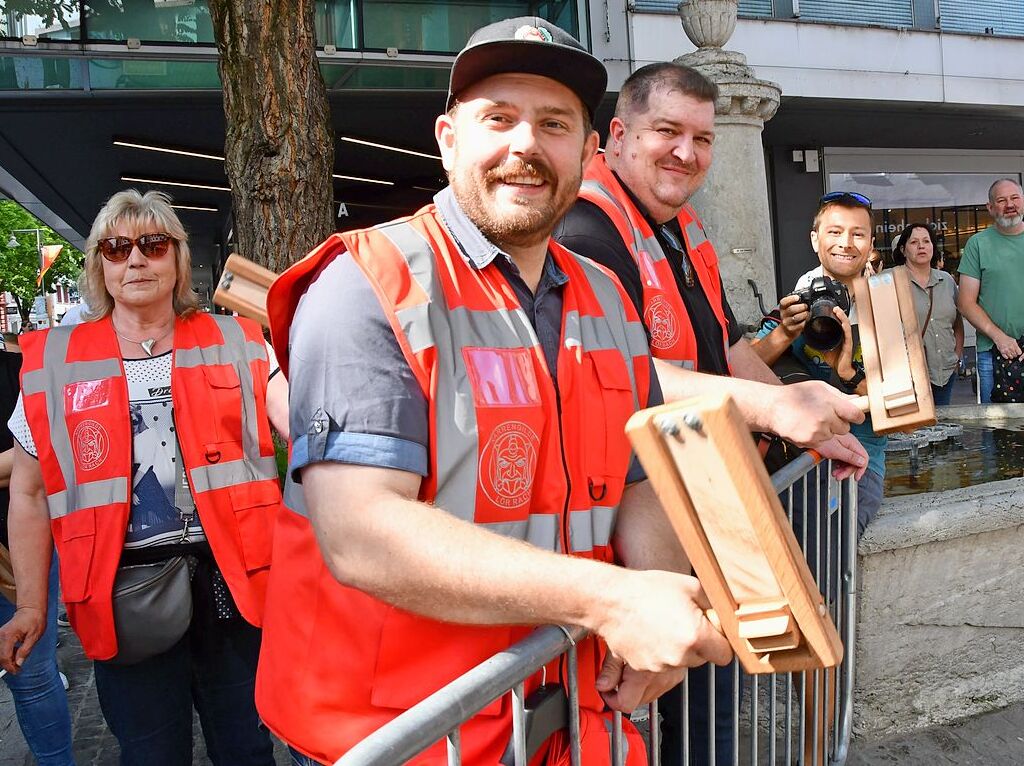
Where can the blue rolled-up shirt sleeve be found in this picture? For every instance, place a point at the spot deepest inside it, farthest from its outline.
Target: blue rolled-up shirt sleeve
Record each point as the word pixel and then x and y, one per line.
pixel 353 398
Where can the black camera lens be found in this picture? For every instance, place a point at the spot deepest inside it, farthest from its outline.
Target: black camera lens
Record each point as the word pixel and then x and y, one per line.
pixel 823 331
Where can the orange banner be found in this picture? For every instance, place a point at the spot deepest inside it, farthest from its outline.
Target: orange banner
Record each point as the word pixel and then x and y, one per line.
pixel 49 254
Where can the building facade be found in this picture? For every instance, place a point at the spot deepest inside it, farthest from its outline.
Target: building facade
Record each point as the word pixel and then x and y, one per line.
pixel 915 103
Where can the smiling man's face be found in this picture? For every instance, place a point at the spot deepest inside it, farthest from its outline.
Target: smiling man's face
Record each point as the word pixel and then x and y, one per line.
pixel 843 241
pixel 663 154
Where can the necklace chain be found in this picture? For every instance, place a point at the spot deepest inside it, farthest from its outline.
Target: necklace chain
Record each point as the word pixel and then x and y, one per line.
pixel 146 344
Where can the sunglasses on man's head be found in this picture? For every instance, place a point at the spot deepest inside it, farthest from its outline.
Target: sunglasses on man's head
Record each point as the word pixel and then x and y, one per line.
pixel 117 249
pixel 841 195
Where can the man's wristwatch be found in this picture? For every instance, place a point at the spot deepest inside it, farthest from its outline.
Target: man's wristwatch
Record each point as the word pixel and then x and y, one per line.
pixel 851 384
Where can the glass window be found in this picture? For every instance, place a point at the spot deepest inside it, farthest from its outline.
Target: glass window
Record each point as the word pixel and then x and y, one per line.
pixel 154 21
pixel 141 74
pixel 336 24
pixel 53 20
pixel 952 203
pixel 426 25
pixel 339 76
pixel 39 73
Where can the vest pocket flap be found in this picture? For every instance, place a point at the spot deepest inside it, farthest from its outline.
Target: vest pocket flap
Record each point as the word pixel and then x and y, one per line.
pixel 221 375
pixel 255 505
pixel 78 524
pixel 76 535
pixel 254 493
pixel 611 370
pixel 418 656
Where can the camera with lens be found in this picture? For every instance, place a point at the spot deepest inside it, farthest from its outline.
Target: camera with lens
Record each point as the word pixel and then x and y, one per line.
pixel 823 331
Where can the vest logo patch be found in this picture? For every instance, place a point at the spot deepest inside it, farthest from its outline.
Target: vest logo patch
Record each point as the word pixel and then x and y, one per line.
pixel 662 323
pixel 508 464
pixel 91 444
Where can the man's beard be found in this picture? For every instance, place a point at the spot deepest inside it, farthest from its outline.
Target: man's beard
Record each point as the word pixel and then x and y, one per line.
pixel 526 224
pixel 1009 222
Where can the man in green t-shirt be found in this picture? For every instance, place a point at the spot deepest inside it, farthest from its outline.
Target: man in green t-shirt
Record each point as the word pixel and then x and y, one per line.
pixel 992 281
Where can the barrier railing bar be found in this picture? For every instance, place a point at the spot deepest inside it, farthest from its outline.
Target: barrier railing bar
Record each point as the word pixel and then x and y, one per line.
pixel 845 720
pixel 712 717
pixel 519 724
pixel 573 682
pixel 618 756
pixel 792 472
pixel 788 754
pixel 418 728
pixel 772 719
pixel 754 684
pixel 654 736
pixel 735 712
pixel 684 725
pixel 454 748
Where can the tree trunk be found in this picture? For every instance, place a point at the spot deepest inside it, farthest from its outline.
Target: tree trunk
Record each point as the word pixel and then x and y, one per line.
pixel 280 146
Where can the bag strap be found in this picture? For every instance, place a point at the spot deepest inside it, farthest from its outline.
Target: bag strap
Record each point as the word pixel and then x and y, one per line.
pixel 183 499
pixel 931 302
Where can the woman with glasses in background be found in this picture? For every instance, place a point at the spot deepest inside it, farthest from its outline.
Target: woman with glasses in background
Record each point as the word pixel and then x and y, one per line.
pixel 145 455
pixel 935 294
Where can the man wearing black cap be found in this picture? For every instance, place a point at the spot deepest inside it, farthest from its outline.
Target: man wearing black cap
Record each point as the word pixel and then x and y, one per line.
pixel 446 454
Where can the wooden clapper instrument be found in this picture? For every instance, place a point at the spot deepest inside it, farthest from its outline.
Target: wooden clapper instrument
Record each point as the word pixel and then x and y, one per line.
pixel 243 288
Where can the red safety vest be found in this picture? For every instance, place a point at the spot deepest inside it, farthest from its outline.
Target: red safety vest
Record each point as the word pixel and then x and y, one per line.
pixel 76 404
pixel 337 663
pixel 668 324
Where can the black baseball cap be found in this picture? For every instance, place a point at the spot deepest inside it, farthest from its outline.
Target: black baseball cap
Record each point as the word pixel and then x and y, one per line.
pixel 529 45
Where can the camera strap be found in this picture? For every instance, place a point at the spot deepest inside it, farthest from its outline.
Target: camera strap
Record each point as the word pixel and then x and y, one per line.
pixel 931 302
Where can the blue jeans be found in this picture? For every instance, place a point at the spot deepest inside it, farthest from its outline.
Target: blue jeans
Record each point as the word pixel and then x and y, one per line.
pixel 39 697
pixel 986 378
pixel 148 706
pixel 944 393
pixel 298 759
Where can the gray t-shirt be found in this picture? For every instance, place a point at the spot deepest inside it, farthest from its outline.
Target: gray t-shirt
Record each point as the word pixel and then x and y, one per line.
pixel 352 396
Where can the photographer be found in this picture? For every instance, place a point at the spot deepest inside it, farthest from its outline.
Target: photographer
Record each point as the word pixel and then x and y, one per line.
pixel 812 332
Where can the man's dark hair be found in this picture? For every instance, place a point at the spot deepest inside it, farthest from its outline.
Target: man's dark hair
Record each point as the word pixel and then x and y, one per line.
pixel 848 201
pixel 899 255
pixel 635 96
pixel 992 188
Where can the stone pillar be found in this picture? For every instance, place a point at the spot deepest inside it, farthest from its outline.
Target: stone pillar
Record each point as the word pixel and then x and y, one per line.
pixel 733 201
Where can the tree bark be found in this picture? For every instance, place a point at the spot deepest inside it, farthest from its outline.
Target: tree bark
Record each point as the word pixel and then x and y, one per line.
pixel 279 147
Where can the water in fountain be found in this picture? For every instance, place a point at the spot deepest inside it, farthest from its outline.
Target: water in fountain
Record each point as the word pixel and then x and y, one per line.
pixel 940 458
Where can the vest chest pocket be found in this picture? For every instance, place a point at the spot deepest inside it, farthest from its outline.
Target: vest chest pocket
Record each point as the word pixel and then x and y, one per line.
pixel 225 404
pixel 605 445
pixel 76 533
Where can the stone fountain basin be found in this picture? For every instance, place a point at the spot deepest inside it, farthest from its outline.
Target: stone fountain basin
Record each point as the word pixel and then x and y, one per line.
pixel 940 607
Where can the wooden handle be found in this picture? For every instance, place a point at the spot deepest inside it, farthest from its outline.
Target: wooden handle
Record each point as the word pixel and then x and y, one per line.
pixel 863 404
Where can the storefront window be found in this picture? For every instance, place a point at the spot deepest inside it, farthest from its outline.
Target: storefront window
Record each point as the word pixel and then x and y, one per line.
pixel 143 74
pixel 54 20
pixel 952 203
pixel 39 73
pixel 152 21
pixel 426 25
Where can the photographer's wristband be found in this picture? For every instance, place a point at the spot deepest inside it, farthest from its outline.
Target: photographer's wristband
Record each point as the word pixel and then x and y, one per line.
pixel 850 386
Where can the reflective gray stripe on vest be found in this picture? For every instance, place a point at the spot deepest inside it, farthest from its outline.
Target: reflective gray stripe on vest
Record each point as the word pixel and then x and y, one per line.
pixel 55 374
pixel 89 495
pixel 588 529
pixel 489 327
pixel 695 236
pixel 541 529
pixel 684 364
pixel 649 244
pixel 220 475
pixel 295 498
pixel 35 382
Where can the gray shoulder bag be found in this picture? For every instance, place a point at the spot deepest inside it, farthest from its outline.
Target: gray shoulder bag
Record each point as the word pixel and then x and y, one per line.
pixel 153 602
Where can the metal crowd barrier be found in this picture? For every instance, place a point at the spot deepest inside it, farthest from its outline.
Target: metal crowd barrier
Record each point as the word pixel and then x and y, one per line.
pixel 786 718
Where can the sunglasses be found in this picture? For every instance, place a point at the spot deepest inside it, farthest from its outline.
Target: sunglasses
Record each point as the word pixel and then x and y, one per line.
pixel 117 249
pixel 838 195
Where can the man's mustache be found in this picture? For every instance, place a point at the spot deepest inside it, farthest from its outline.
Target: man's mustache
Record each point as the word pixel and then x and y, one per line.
pixel 515 168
